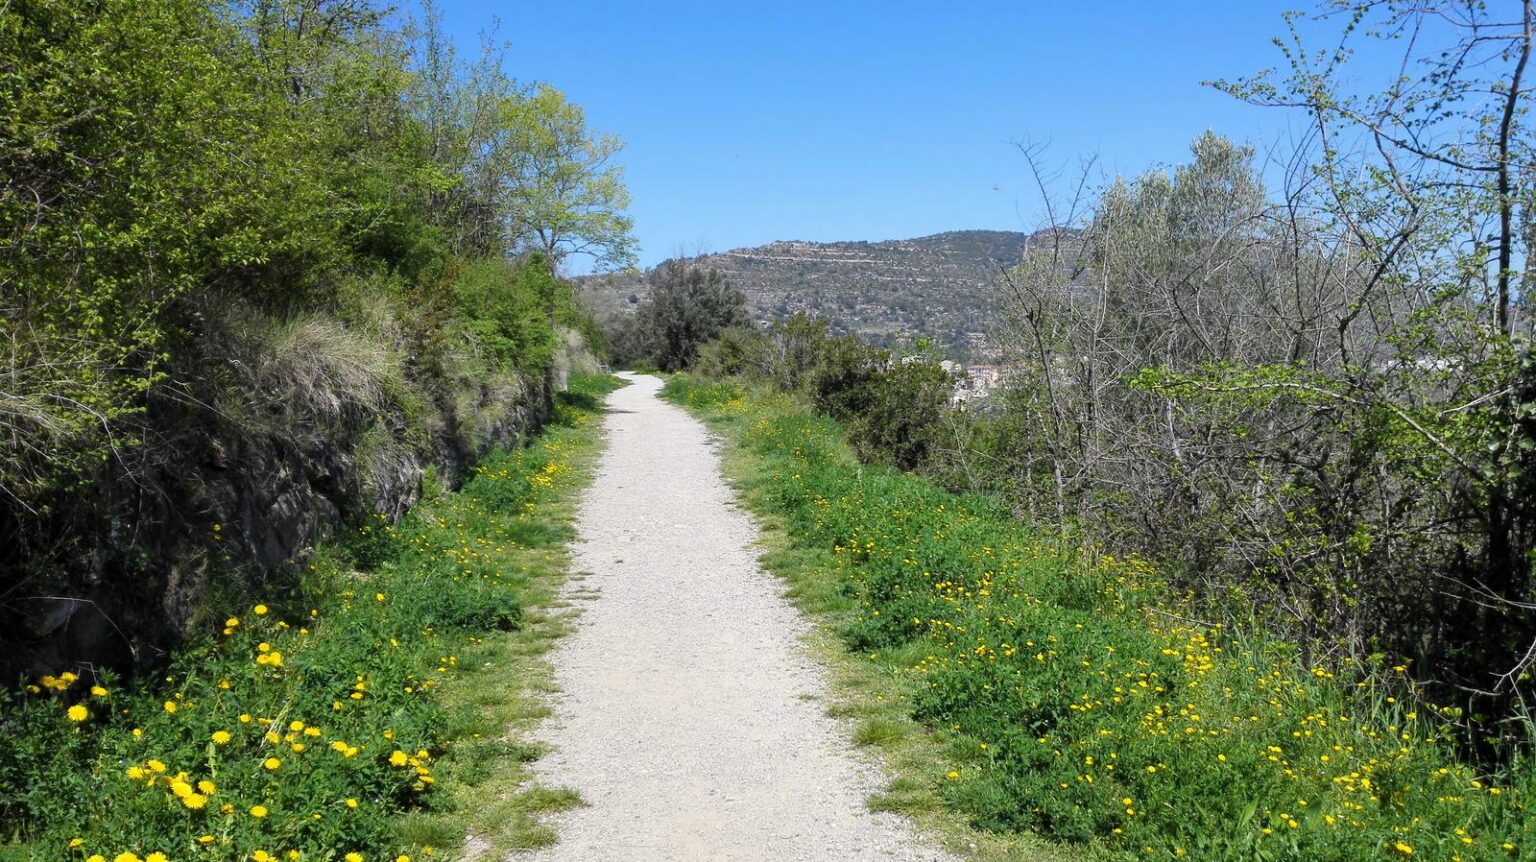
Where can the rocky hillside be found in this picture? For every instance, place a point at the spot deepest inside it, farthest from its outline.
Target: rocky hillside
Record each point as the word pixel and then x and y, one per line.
pixel 939 287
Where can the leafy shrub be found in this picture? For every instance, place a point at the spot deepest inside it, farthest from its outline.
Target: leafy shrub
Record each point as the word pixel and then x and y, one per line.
pixel 688 305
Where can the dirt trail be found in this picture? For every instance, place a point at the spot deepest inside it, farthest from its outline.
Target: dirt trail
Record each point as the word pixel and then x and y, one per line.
pixel 689 718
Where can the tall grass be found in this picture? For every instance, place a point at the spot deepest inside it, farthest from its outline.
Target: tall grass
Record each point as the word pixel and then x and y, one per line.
pixel 1076 698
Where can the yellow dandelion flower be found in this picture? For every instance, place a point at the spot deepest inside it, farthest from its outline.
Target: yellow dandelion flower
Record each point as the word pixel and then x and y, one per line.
pixel 170 707
pixel 259 610
pixel 271 763
pixel 258 811
pixel 354 857
pixel 98 691
pixel 221 737
pixel 78 713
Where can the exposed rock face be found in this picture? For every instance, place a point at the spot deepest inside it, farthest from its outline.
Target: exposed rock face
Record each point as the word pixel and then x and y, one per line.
pixel 940 287
pixel 227 511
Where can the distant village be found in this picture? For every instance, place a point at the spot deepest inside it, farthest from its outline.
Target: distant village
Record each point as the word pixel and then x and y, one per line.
pixel 974 383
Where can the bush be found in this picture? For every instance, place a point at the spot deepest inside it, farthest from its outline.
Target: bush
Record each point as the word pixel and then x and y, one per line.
pixel 688 305
pixel 892 408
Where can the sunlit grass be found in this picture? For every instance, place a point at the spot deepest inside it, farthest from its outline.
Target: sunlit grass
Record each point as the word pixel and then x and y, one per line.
pixel 1034 689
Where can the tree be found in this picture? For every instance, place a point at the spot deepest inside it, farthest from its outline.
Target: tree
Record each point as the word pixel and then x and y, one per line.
pixel 1429 177
pixel 563 195
pixel 1312 398
pixel 687 306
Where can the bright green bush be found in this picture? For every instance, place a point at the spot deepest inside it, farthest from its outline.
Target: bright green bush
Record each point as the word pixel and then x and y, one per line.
pixel 1079 701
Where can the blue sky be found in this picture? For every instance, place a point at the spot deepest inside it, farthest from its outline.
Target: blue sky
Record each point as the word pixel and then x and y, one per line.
pixel 838 120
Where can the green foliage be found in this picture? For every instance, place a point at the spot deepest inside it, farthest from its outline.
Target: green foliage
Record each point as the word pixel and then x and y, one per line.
pixel 319 705
pixel 501 307
pixel 1077 698
pixel 565 196
pixel 892 407
pixel 687 306
pixel 899 422
pixel 140 164
pixel 237 232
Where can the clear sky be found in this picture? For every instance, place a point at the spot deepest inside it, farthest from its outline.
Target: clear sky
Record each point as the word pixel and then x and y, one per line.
pixel 838 120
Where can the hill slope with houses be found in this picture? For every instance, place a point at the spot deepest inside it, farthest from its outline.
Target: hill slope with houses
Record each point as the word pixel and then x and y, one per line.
pixel 892 293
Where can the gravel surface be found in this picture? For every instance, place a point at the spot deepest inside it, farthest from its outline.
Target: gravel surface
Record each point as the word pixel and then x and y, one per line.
pixel 690 717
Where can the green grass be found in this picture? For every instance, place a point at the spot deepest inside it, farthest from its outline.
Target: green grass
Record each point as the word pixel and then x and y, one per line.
pixel 374 708
pixel 1039 702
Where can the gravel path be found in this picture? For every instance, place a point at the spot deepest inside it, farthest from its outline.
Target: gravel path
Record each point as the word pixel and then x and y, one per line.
pixel 689 719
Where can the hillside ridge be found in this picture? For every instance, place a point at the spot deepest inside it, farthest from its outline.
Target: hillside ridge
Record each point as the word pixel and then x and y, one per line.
pixel 887 292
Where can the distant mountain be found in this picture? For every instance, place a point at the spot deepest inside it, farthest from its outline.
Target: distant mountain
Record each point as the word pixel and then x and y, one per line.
pixel 941 287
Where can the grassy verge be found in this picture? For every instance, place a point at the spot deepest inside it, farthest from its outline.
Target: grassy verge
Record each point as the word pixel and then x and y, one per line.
pixel 1021 689
pixel 367 713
